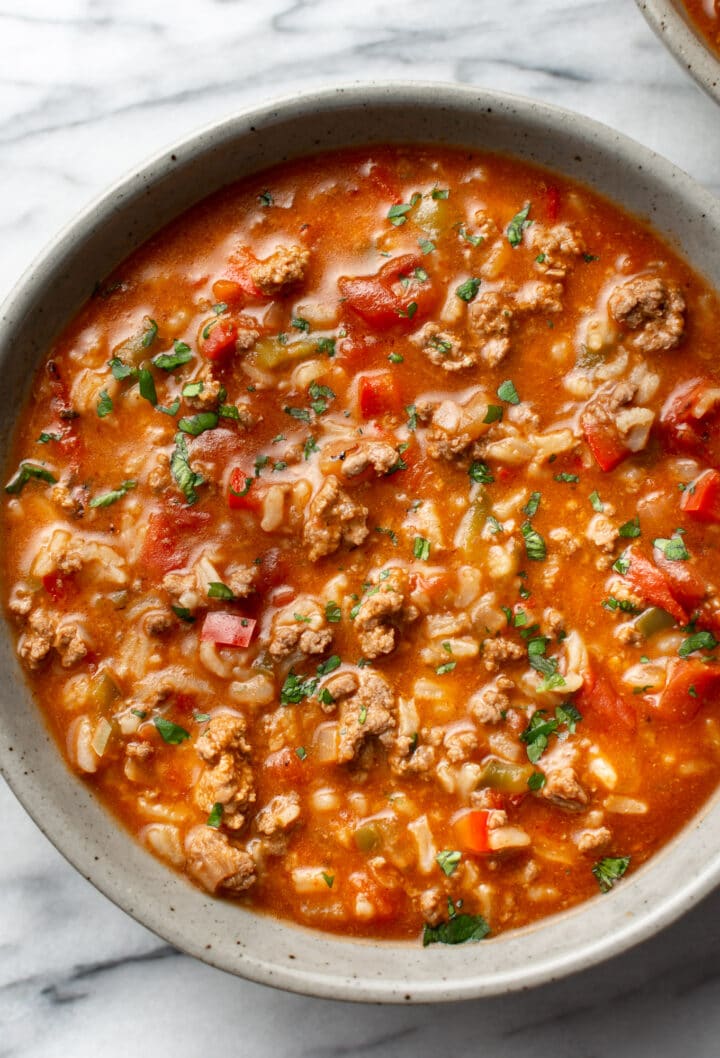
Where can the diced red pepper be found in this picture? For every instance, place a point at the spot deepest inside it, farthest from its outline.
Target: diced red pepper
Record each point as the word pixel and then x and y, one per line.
pixel 393 296
pixel 598 697
pixel 690 420
pixel 690 685
pixel 273 568
pixel 471 830
pixel 170 536
pixel 604 443
pixel 652 584
pixel 228 629
pixel 244 492
pixel 283 767
pixel 56 584
pixel 228 292
pixel 702 498
pixel 379 395
pixel 220 341
pixel 239 269
pixel 552 203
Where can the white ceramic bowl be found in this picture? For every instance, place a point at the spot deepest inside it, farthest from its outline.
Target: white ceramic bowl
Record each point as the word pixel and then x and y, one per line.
pixel 672 25
pixel 220 932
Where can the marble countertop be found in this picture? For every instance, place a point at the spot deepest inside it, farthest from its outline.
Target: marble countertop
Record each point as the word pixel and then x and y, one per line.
pixel 88 88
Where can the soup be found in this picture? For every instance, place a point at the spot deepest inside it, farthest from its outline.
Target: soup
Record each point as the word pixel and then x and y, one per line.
pixel 361 540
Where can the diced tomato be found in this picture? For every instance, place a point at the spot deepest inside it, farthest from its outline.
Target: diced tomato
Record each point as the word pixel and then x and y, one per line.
pixel 379 395
pixel 386 299
pixel 690 419
pixel 690 685
pixel 385 180
pixel 220 341
pixel 239 269
pixel 471 830
pixel 604 442
pixel 651 583
pixel 598 697
pixel 228 629
pixel 687 587
pixel 170 536
pixel 702 499
pixel 244 491
pixel 228 292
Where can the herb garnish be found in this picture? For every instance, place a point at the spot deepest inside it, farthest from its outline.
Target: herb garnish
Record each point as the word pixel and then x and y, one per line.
pixel 171 733
pixel 112 497
pixel 610 870
pixel 26 472
pixel 517 226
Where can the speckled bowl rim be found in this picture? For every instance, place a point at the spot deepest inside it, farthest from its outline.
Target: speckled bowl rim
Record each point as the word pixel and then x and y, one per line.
pixel 685 43
pixel 219 932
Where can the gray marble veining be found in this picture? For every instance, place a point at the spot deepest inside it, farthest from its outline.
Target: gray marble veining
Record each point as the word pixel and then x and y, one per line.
pixel 88 88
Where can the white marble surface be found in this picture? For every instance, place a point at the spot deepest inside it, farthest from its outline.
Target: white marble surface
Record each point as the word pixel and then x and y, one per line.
pixel 88 88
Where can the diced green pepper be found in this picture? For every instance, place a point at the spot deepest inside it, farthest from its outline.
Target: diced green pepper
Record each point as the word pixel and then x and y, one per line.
pixel 654 620
pixel 271 353
pixel 505 776
pixel 103 691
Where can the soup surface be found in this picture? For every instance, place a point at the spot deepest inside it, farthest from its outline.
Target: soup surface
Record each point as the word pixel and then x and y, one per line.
pixel 705 16
pixel 361 542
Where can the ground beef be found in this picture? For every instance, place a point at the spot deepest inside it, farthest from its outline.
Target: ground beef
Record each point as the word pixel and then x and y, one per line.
pixel 563 789
pixel 74 500
pixel 434 906
pixel 278 815
pixel 370 711
pixel 282 270
pixel 653 309
pixel 612 411
pixel 459 745
pixel 490 320
pixel 488 705
pixel 310 636
pixel 592 839
pixel 555 248
pixel 544 298
pixel 216 863
pixel 374 622
pixel 376 454
pixel 332 519
pixel 228 780
pixel 602 532
pixel 45 633
pixel 241 580
pixel 210 393
pixel 496 651
pixel 159 621
pixel 444 349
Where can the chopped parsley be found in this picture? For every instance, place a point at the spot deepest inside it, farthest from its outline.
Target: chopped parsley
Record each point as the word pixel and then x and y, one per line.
pixel 333 613
pixel 474 240
pixel 630 529
pixel 297 413
pixel 299 323
pixel 185 477
pixel 146 385
pixel 169 732
pixel 296 688
pixel 673 549
pixel 621 564
pixel 45 437
pixel 440 193
pixel 397 214
pixel 459 929
pixel 570 479
pixel 534 543
pixel 181 354
pixel 326 667
pixel 536 781
pixel 531 507
pixel 537 734
pixel 468 290
pixel 387 532
pixel 611 603
pixel 265 199
pixel 494 414
pixel 215 818
pixel 328 879
pixel 310 446
pixel 319 397
pixel 697 641
pixel 218 590
pixel 109 498
pixel 610 870
pixel 426 245
pixel 396 358
pixel 506 391
pixel 26 472
pixel 448 666
pixel 193 389
pixel 480 473
pixel 517 226
pixel 197 424
pixel 104 404
pixel 596 503
pixel 301 752
pixel 183 613
pixel 327 346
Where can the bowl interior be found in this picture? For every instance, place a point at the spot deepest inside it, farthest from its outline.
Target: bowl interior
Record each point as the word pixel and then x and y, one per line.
pixel 218 931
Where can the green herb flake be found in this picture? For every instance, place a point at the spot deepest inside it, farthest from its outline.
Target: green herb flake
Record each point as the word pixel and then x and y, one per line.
pixel 426 246
pixel 468 290
pixel 449 666
pixel 299 323
pixel 333 613
pixel 448 861
pixel 697 641
pixel 171 409
pixel 622 605
pixel 387 532
pixel 517 226
pixel 141 714
pixel 183 613
pixel 596 503
pixel 421 548
pixel 327 346
pixel 297 413
pixel 397 214
pixel 301 752
pixel 215 818
pixel 506 391
pixel 494 414
pixel 45 437
pixel 109 498
pixel 169 732
pixel 630 529
pixel 673 549
pixel 622 564
pixel 146 385
pixel 150 333
pixel 328 879
pixel 193 389
pixel 480 473
pixel 185 477
pixel 197 424
pixel 296 688
pixel 104 404
pixel 531 507
pixel 181 354
pixel 460 929
pixel 265 199
pixel 570 479
pixel 326 667
pixel 28 472
pixel 396 358
pixel 218 590
pixel 610 870
pixel 536 781
pixel 201 718
pixel 319 397
pixel 309 447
